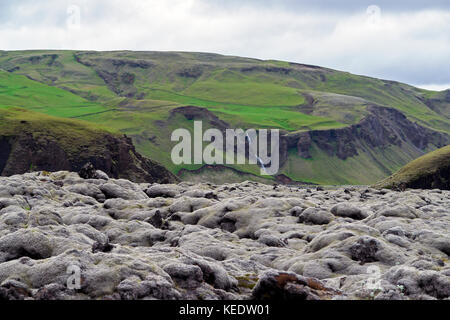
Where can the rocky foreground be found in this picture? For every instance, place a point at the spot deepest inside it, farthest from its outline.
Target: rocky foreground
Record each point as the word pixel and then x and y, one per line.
pixel 235 241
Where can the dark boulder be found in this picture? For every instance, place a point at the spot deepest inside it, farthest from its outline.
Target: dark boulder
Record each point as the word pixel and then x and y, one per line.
pixel 278 285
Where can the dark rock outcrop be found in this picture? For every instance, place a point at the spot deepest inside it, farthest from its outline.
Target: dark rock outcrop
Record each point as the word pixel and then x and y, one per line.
pixel 5 148
pixel 276 285
pixel 116 73
pixel 117 157
pixel 88 171
pixel 200 114
pixel 383 127
pixel 303 145
pixel 193 72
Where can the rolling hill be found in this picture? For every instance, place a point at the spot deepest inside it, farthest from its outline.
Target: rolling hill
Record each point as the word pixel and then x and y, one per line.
pixel 336 127
pixel 427 172
pixel 32 141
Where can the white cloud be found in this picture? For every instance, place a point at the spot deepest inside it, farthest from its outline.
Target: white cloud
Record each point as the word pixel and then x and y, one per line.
pixel 407 46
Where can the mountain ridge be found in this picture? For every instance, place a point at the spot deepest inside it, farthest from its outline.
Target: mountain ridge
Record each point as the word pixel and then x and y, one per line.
pixel 136 93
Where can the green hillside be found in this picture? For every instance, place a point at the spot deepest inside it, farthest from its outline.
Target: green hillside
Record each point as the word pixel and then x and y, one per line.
pixel 19 91
pixel 136 93
pixel 430 171
pixel 72 135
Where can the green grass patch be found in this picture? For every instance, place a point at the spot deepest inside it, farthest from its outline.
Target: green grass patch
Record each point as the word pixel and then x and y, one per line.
pixel 19 91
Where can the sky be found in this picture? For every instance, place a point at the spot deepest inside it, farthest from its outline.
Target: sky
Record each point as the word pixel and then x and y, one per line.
pixel 407 41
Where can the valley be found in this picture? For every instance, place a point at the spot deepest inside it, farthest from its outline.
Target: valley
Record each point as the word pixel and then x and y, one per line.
pixel 336 128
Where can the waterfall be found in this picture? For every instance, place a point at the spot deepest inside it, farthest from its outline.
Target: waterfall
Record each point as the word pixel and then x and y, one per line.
pixel 260 162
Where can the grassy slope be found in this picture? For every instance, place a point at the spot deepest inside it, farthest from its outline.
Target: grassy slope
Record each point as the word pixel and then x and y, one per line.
pixel 405 98
pixel 361 169
pixel 240 91
pixel 64 72
pixel 423 166
pixel 72 135
pixel 19 91
pixel 222 85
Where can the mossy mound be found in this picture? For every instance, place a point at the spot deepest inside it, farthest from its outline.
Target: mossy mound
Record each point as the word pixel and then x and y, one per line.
pixel 432 171
pixel 72 135
pixel 31 141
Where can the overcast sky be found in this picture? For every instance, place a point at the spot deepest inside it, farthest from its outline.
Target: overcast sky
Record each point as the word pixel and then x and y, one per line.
pixel 408 41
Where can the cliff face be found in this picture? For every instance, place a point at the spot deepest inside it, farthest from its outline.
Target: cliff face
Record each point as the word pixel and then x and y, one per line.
pixel 381 128
pixel 119 159
pixel 200 114
pixel 34 142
